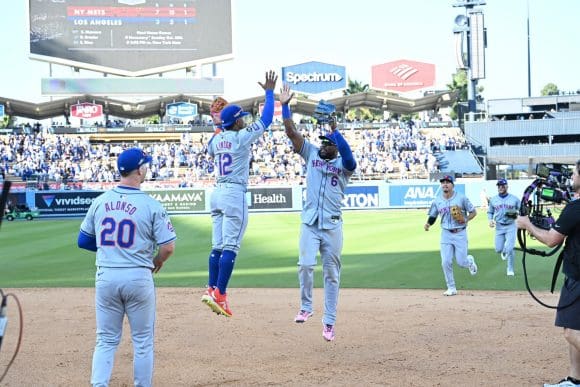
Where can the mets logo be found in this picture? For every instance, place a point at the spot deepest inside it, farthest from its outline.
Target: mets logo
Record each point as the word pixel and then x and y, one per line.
pixel 403 71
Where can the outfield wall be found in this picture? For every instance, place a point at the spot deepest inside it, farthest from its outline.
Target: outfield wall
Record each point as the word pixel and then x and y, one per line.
pixel 372 195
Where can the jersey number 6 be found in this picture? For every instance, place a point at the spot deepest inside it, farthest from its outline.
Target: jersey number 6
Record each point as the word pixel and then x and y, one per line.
pixel 122 234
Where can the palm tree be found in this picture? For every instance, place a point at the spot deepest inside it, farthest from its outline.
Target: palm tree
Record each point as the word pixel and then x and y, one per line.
pixel 355 87
pixel 459 84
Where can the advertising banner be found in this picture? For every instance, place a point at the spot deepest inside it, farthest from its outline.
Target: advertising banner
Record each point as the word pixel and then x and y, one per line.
pixel 64 203
pixel 181 110
pixel 416 195
pixel 1 110
pixel 403 75
pixel 277 109
pixel 357 197
pixel 314 77
pixel 361 197
pixel 182 200
pixel 86 110
pixel 269 198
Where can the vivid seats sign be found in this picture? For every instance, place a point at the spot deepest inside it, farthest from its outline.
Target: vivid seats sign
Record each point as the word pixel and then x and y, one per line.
pixel 403 76
pixel 315 77
pixel 86 110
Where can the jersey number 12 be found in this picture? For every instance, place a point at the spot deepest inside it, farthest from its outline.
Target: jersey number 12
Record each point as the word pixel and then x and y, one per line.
pixel 224 162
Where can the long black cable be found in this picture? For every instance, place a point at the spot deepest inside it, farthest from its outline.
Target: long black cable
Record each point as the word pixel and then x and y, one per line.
pixel 522 241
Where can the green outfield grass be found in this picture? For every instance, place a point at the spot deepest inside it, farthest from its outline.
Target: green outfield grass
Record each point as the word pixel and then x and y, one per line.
pixel 382 249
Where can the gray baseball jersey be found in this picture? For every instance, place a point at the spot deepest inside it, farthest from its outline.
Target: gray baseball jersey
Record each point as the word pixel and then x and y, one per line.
pixel 321 228
pixel 128 225
pixel 326 182
pixel 505 227
pixel 442 207
pixel 453 234
pixel 231 151
pixel 498 207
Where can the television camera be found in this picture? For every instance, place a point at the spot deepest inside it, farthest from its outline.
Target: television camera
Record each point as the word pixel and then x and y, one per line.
pixel 552 186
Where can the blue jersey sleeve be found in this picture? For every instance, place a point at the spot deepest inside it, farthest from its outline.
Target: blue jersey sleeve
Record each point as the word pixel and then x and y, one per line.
pixel 348 161
pixel 86 241
pixel 268 111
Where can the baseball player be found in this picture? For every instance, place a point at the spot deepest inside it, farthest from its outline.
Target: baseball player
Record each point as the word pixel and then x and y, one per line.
pixel 328 170
pixel 133 237
pixel 502 213
pixel 231 150
pixel 453 230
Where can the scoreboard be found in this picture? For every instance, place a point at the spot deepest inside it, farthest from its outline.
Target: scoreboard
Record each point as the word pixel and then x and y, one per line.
pixel 130 37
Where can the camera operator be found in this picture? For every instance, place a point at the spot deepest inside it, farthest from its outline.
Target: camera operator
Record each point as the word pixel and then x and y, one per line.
pixel 567 227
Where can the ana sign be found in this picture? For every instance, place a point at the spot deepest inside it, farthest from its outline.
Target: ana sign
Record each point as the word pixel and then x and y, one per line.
pixel 86 110
pixel 181 109
pixel 403 75
pixel 315 77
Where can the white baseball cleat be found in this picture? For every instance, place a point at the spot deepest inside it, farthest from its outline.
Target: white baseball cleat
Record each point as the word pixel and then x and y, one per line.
pixel 503 256
pixel 450 292
pixel 472 265
pixel 510 273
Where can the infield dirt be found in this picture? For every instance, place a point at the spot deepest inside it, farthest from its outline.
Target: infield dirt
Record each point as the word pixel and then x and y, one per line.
pixel 384 337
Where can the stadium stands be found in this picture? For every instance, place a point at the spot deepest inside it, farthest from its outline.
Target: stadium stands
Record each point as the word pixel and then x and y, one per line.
pixel 386 151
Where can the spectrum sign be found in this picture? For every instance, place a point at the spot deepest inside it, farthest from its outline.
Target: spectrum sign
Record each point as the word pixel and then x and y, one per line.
pixel 314 77
pixel 403 76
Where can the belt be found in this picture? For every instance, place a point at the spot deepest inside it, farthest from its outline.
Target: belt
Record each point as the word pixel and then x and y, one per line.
pixel 456 230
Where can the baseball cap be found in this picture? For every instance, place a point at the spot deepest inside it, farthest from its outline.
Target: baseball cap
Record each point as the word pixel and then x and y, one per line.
pixel 326 140
pixel 131 159
pixel 502 182
pixel 230 115
pixel 448 178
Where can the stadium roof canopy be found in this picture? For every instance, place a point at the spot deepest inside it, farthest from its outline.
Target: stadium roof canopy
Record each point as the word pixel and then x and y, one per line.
pixel 305 105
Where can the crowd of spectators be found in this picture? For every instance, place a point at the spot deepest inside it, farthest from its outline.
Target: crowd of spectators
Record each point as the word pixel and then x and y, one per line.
pixel 389 151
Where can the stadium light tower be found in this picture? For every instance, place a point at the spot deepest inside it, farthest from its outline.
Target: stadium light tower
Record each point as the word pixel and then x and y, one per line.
pixel 469 29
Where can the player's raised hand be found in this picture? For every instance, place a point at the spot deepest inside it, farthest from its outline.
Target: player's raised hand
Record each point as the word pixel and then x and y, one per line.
pixel 332 122
pixel 285 94
pixel 270 82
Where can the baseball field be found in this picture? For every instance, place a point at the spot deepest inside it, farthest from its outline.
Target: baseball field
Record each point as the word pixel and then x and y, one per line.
pixel 394 327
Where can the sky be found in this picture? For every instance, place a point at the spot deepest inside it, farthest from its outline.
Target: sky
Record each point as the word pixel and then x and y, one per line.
pixel 271 34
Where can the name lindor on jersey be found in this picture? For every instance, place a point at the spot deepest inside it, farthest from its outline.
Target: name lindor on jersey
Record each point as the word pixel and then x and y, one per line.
pixel 224 145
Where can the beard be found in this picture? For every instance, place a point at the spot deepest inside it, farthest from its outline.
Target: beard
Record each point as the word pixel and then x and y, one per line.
pixel 326 155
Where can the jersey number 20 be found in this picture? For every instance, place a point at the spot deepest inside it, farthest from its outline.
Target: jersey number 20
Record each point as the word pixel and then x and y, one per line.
pixel 122 233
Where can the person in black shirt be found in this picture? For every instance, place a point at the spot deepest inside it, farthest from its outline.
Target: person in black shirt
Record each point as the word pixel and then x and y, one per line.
pixel 567 228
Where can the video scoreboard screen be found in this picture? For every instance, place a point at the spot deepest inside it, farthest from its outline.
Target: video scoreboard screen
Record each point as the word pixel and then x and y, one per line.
pixel 130 37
